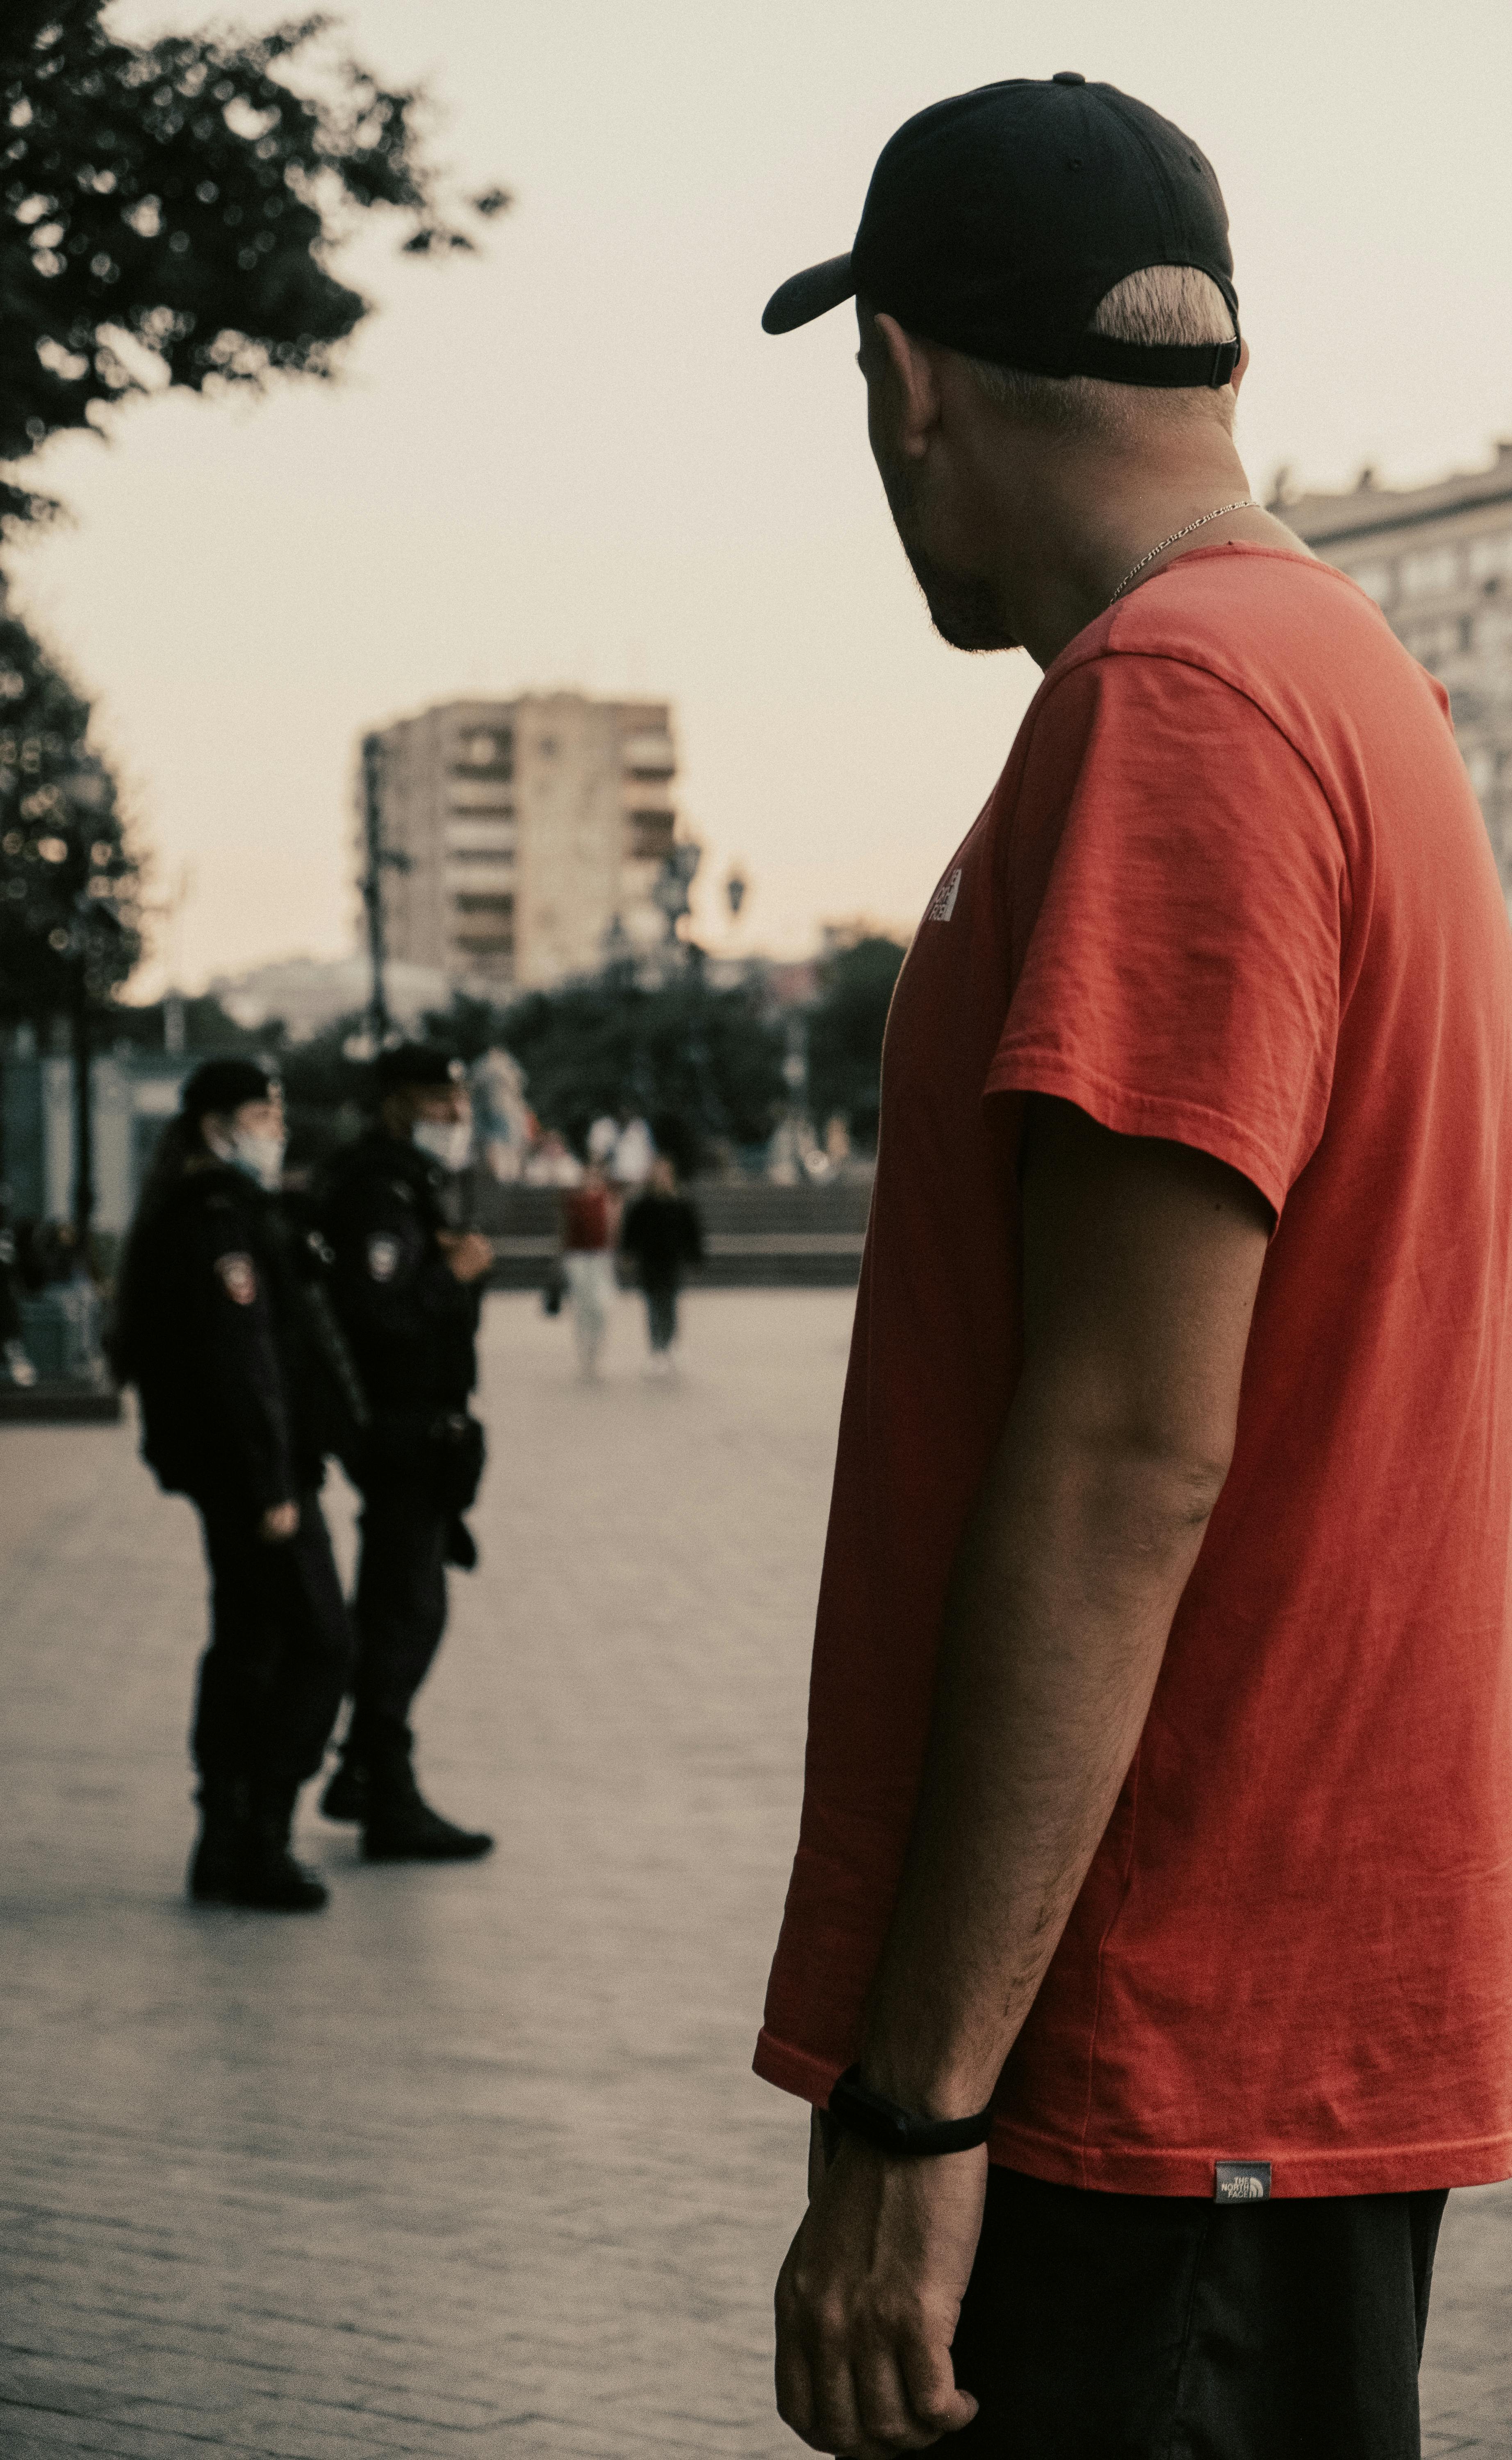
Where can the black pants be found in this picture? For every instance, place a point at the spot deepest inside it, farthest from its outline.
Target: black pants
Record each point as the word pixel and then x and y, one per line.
pixel 1153 2327
pixel 661 1310
pixel 400 1605
pixel 279 1654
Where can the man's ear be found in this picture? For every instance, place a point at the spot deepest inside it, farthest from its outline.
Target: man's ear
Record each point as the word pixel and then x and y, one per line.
pixel 1242 368
pixel 913 372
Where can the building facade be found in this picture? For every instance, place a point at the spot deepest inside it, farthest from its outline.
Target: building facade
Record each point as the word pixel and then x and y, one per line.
pixel 530 835
pixel 1438 560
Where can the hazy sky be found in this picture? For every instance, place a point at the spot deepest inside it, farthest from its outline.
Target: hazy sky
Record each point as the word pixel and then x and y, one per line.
pixel 578 459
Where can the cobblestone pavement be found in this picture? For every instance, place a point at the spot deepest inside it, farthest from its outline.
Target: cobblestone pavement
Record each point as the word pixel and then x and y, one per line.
pixel 473 2163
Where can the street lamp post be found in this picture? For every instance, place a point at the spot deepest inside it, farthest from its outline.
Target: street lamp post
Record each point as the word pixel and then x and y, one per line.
pixel 372 887
pixel 673 882
pixel 91 917
pixel 82 1055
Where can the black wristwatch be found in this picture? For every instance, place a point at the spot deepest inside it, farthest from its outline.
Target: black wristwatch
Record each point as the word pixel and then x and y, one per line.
pixel 853 2104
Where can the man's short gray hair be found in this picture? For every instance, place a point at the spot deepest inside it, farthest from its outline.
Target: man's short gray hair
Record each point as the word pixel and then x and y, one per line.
pixel 1163 303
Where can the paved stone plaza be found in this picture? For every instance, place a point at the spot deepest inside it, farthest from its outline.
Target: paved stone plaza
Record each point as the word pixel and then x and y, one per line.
pixel 474 2162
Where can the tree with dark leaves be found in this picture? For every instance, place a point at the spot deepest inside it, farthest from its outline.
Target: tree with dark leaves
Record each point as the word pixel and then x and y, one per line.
pixel 167 212
pixel 703 1066
pixel 844 1034
pixel 68 875
pixel 69 933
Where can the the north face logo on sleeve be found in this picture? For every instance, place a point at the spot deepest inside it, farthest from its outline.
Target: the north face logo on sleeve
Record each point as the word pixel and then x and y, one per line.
pixel 1241 2182
pixel 943 903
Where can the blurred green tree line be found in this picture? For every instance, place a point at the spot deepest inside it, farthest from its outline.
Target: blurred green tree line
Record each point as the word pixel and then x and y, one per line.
pixel 702 1064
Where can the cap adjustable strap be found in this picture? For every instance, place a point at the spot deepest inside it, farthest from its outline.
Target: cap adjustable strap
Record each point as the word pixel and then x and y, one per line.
pixel 1163 364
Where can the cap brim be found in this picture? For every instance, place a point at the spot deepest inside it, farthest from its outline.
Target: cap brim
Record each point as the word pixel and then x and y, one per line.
pixel 808 295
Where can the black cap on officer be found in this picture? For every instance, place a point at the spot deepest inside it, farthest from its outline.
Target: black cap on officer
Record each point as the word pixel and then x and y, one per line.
pixel 416 1063
pixel 225 1085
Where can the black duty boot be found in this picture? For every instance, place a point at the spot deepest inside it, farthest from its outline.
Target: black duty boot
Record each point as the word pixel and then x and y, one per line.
pixel 346 1796
pixel 271 1879
pixel 219 1860
pixel 399 1824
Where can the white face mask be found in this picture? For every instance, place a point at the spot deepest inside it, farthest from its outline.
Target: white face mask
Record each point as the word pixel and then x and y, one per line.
pixel 261 1157
pixel 448 1141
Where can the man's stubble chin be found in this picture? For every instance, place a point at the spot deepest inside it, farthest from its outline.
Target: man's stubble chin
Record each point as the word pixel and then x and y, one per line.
pixel 963 608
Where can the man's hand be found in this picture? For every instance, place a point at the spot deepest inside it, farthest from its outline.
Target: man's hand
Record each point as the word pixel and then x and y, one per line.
pixel 868 2298
pixel 468 1254
pixel 278 1524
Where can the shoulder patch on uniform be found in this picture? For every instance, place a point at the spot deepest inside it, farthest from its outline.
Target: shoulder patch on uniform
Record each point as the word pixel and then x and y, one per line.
pixel 941 905
pixel 383 1257
pixel 238 1278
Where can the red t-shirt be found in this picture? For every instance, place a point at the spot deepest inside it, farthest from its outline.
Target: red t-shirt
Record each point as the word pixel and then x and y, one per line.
pixel 1232 889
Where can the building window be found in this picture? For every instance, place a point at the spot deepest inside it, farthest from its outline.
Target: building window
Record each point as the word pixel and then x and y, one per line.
pixel 1491 558
pixel 1430 569
pixel 491 747
pixel 1481 763
pixel 488 796
pixel 1375 580
pixel 482 752
pixel 501 907
pixel 651 835
pixel 1431 642
pixel 649 756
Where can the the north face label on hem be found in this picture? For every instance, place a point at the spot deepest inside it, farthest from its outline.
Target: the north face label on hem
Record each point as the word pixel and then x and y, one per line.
pixel 1241 2182
pixel 943 904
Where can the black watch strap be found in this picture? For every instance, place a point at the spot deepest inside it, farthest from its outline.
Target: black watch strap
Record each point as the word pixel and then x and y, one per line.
pixel 853 2104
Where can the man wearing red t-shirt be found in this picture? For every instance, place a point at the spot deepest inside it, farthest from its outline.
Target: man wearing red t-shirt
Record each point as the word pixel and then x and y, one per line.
pixel 1148 1951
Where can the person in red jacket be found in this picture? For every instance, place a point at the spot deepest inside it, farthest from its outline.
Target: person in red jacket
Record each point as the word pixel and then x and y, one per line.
pixel 589 1219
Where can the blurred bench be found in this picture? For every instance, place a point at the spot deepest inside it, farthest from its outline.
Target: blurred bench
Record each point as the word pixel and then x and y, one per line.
pixel 758 1237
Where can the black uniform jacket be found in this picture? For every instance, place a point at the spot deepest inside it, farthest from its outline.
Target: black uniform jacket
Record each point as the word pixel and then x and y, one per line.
pixel 412 1325
pixel 218 1337
pixel 664 1235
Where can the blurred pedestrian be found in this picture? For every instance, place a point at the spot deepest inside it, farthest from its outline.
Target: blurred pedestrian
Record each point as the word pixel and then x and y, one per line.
pixel 634 1151
pixel 408 1288
pixel 662 1236
pixel 552 1162
pixel 588 1221
pixel 241 1394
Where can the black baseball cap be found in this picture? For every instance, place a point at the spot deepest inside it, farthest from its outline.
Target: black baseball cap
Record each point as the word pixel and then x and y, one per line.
pixel 225 1085
pixel 416 1063
pixel 997 219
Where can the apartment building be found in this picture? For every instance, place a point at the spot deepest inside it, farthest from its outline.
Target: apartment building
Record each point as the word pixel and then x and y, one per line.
pixel 530 835
pixel 1437 560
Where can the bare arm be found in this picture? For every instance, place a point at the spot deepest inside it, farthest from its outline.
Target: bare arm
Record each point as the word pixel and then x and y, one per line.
pixel 1140 1265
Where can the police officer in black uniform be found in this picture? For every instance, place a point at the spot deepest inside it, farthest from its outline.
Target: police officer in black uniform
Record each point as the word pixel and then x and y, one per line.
pixel 245 1383
pixel 408 1288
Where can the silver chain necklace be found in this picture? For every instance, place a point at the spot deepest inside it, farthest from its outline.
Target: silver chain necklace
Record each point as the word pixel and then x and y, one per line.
pixel 1246 503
